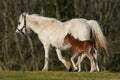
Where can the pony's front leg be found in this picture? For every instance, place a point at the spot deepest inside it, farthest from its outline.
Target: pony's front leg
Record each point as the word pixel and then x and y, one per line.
pixel 92 61
pixel 66 63
pixel 46 48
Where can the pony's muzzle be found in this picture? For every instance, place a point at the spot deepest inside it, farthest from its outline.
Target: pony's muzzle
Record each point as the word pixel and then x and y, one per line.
pixel 19 33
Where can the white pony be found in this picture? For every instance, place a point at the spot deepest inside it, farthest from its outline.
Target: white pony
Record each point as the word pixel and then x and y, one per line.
pixel 52 32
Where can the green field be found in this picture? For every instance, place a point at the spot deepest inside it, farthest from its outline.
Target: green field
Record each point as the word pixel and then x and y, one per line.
pixel 58 75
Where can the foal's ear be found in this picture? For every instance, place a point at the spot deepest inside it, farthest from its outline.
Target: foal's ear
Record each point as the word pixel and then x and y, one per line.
pixel 69 34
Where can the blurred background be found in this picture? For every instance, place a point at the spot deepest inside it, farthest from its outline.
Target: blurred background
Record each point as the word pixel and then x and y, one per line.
pixel 27 53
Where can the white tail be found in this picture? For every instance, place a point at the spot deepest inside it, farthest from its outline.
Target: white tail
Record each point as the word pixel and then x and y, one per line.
pixel 96 30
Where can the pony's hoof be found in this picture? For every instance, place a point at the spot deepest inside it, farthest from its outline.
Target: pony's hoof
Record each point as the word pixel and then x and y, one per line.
pixel 44 69
pixel 79 71
pixel 92 71
pixel 70 69
pixel 75 70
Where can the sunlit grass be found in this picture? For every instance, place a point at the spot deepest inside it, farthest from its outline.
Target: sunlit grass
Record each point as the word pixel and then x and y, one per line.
pixel 12 75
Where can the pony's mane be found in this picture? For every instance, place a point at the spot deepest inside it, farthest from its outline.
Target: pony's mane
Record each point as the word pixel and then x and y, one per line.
pixel 42 17
pixel 36 14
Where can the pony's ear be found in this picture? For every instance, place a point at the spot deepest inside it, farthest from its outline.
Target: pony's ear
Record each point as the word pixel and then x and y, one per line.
pixel 24 14
pixel 27 13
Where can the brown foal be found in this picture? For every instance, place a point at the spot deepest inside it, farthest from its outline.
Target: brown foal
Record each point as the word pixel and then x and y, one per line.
pixel 86 48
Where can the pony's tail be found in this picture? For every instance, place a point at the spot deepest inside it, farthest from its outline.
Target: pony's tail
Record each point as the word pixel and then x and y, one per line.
pixel 97 32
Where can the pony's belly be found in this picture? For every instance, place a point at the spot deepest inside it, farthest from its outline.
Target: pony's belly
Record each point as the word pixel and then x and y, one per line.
pixel 65 47
pixel 78 28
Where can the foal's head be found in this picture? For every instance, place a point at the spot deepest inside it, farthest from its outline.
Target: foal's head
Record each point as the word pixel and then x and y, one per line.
pixel 67 38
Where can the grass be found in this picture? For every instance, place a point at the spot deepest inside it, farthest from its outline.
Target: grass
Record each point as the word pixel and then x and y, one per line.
pixel 58 75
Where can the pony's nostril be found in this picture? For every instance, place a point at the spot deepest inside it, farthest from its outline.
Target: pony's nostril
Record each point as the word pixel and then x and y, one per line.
pixel 16 31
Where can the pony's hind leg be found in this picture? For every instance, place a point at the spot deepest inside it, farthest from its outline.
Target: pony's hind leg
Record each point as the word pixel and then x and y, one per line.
pixel 96 62
pixel 91 58
pixel 66 63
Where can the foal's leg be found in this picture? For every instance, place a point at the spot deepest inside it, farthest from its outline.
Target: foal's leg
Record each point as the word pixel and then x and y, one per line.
pixel 66 63
pixel 46 48
pixel 72 60
pixel 80 59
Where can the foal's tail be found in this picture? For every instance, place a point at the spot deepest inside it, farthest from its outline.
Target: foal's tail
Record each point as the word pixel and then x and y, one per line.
pixel 96 30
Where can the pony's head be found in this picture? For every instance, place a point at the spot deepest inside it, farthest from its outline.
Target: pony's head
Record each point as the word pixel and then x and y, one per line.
pixel 21 28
